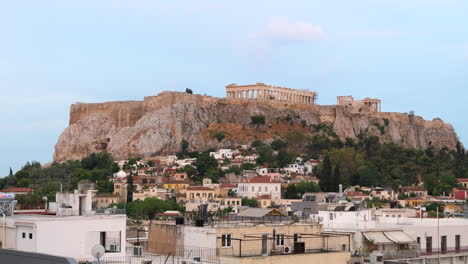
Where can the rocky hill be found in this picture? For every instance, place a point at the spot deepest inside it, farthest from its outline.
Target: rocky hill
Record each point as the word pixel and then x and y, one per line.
pixel 157 125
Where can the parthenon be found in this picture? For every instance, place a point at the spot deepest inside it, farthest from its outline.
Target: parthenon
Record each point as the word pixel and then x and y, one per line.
pixel 262 91
pixel 370 104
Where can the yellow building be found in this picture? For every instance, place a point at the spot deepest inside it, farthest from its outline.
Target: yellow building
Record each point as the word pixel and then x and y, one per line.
pixel 104 200
pixel 176 186
pixel 200 193
pixel 268 241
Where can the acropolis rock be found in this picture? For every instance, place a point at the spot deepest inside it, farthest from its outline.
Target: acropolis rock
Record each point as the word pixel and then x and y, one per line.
pixel 157 125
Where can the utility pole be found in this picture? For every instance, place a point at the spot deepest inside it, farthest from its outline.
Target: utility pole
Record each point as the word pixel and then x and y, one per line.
pixel 438 236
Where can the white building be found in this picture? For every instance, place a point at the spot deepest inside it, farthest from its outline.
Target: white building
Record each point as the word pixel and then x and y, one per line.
pixel 431 236
pixel 258 186
pixel 294 168
pixel 68 236
pixel 224 154
pixel 72 232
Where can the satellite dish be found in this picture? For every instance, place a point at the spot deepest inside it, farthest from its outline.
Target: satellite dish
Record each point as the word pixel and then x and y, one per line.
pixel 98 251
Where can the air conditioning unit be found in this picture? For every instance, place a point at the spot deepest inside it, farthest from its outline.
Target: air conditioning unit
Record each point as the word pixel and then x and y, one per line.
pixel 137 251
pixel 113 247
pixel 287 250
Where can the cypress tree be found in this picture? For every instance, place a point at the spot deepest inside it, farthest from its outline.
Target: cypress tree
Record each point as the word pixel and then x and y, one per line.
pixel 336 178
pixel 130 188
pixel 326 179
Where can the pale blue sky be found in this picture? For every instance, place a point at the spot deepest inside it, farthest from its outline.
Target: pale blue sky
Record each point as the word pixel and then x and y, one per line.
pixel 411 54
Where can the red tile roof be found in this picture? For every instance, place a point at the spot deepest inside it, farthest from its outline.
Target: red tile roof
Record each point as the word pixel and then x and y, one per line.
pixel 462 179
pixel 413 188
pixel 227 185
pixel 14 190
pixel 199 188
pixel 168 214
pixel 355 194
pixel 262 179
pixel 263 197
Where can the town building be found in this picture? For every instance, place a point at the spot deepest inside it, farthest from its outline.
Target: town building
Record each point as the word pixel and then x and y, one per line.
pixel 104 200
pixel 260 239
pixel 258 186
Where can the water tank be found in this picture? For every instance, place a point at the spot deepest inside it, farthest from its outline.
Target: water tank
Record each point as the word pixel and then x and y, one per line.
pixel 179 220
pixel 199 223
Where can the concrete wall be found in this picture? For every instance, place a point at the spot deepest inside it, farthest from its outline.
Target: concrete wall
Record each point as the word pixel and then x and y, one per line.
pixel 164 238
pixel 10 236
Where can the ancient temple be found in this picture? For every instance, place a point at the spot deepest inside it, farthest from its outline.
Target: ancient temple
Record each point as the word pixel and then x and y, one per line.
pixel 261 91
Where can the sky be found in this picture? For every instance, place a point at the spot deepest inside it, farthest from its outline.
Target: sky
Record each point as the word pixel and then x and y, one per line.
pixel 411 54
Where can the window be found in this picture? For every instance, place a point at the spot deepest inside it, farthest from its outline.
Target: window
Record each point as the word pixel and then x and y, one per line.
pixel 204 194
pixel 418 240
pixel 226 240
pixel 30 235
pixel 259 188
pixel 266 189
pixel 343 247
pixel 429 244
pixel 457 243
pixel 443 244
pixel 110 241
pixel 331 216
pixel 253 189
pixel 280 240
pixel 276 188
pixel 296 238
pixel 24 235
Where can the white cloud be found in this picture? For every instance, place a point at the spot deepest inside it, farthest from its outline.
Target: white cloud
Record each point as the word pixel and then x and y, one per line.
pixel 282 28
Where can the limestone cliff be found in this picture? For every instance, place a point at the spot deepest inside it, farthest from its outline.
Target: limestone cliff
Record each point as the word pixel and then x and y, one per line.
pixel 156 125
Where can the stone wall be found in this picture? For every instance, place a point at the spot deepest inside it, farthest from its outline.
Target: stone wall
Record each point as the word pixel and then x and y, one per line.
pixel 156 125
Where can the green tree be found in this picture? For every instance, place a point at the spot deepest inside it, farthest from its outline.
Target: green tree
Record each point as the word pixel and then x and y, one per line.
pixel 220 136
pixel 278 144
pixel 257 120
pixel 257 143
pixel 130 188
pixel 204 163
pixel 326 175
pixel 252 202
pixel 235 169
pixel 190 170
pixel 23 183
pixel 336 177
pixel 285 157
pixel 265 154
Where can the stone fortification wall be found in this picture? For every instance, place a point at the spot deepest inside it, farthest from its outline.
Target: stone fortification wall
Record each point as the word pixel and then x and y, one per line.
pixel 122 113
pixel 156 125
pixel 127 113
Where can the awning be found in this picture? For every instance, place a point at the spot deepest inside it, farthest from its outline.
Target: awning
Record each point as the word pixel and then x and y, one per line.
pixel 399 237
pixel 377 237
